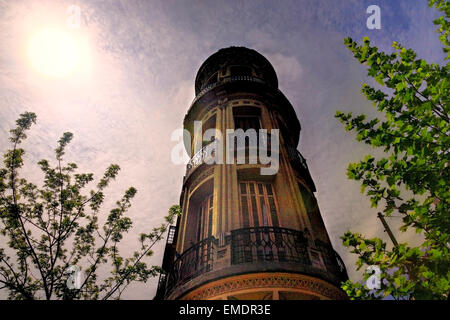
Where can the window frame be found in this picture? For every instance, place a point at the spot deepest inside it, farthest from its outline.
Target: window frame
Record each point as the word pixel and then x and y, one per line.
pixel 256 198
pixel 205 215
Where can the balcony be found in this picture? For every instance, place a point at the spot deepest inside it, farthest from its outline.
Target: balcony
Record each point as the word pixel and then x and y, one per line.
pixel 206 154
pixel 253 249
pixel 225 80
pixel 268 244
pixel 169 254
pixel 202 155
pixel 298 162
pixel 296 157
pixel 193 262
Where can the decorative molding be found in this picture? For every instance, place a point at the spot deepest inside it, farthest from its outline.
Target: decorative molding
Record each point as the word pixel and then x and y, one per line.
pixel 235 56
pixel 235 284
pixel 201 174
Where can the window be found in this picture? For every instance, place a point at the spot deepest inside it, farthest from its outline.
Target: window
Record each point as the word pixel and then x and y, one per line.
pixel 309 201
pixel 247 122
pixel 240 71
pixel 205 214
pixel 258 204
pixel 288 138
pixel 259 209
pixel 316 259
pixel 312 209
pixel 208 124
pixel 247 118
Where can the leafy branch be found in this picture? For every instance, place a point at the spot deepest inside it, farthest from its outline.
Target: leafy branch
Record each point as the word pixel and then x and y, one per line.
pixel 56 226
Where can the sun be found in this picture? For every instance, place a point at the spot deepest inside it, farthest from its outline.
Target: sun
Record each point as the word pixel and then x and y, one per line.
pixel 56 53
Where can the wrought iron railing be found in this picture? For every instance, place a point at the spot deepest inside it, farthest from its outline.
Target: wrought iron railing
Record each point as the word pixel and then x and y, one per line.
pixel 332 260
pixel 268 244
pixel 258 245
pixel 208 152
pixel 225 80
pixel 200 157
pixel 276 244
pixel 296 157
pixel 193 262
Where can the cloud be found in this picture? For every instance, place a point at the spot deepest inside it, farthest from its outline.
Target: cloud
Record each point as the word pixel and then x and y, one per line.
pixel 288 69
pixel 145 58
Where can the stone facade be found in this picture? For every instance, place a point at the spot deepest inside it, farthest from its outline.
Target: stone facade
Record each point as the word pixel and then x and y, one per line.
pixel 243 234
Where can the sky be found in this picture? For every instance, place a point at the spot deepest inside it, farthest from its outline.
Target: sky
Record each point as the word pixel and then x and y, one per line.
pixel 136 82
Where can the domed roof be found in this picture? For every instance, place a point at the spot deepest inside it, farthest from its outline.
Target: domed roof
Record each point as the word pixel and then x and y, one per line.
pixel 235 56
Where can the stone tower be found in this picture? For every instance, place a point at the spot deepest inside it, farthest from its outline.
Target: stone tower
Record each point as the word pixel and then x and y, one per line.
pixel 244 234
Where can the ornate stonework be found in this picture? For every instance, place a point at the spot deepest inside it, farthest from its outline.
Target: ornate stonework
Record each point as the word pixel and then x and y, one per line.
pixel 235 56
pixel 269 256
pixel 202 175
pixel 274 281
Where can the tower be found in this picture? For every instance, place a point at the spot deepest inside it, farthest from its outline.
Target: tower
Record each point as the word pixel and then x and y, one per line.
pixel 243 234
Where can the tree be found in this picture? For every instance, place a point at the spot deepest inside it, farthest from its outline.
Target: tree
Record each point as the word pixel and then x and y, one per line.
pixel 412 178
pixel 53 230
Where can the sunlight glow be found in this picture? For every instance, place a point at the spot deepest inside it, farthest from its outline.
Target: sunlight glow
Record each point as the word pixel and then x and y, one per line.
pixel 57 53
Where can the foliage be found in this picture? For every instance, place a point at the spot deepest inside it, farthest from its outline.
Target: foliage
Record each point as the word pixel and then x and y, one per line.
pixel 48 229
pixel 412 178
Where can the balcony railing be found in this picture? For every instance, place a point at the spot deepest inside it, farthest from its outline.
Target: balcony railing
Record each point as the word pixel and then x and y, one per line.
pixel 268 244
pixel 225 80
pixel 331 259
pixel 208 152
pixel 193 262
pixel 200 157
pixel 296 157
pixel 285 247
